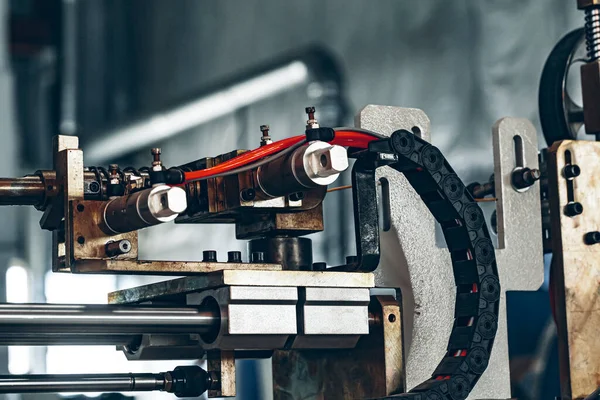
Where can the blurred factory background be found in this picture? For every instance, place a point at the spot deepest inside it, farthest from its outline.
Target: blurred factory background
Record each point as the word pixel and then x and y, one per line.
pixel 198 78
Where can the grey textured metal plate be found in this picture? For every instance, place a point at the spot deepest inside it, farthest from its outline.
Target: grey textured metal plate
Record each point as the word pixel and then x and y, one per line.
pixel 413 262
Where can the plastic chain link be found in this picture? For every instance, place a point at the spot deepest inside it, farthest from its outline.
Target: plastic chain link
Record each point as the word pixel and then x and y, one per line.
pixel 473 262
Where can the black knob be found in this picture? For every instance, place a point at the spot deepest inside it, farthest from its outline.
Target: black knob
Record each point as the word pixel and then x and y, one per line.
pixel 571 171
pixel 319 266
pixel 525 177
pixel 248 194
pixel 257 257
pixel 209 256
pixel 187 381
pixel 297 196
pixel 234 256
pixel 592 237
pixel 573 209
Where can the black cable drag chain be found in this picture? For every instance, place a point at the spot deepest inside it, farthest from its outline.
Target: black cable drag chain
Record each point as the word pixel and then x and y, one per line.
pixel 473 262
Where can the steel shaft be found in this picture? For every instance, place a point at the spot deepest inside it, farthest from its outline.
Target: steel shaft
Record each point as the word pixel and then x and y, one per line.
pixel 117 321
pixel 81 383
pixel 21 191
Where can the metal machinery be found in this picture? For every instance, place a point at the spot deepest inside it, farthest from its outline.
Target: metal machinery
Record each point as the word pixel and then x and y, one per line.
pixel 406 317
pixel 571 220
pixel 334 322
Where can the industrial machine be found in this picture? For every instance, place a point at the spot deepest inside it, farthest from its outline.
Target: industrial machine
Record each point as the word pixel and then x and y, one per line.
pixel 418 312
pixel 332 320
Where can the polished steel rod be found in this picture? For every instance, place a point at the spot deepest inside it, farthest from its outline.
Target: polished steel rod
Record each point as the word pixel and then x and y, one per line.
pixel 81 383
pixel 103 319
pixel 63 339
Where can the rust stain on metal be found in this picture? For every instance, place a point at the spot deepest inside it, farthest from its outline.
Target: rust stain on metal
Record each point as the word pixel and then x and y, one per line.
pixel 375 368
pixel 223 364
pixel 576 266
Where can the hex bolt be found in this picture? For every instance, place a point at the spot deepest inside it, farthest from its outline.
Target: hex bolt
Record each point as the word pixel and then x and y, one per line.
pixel 94 187
pixel 117 248
pixel 319 266
pixel 310 111
pixel 525 177
pixel 592 238
pixel 312 122
pixel 234 256
pixel 248 194
pixel 265 139
pixel 156 163
pixel 571 171
pixel 573 209
pixel 209 256
pixel 257 257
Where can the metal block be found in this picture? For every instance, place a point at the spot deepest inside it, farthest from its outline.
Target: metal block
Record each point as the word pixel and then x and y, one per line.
pixel 239 277
pixel 576 265
pixel 373 369
pixel 335 320
pixel 409 251
pixel 253 318
pixel 221 365
pixel 261 319
pixel 332 311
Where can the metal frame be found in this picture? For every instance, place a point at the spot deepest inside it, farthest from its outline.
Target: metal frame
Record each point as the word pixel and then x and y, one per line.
pixel 429 291
pixel 576 265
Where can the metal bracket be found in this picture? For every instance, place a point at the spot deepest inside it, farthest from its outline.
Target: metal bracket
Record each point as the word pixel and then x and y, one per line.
pixel 576 263
pixel 411 243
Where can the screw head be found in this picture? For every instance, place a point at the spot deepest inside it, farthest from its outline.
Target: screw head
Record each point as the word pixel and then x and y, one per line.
pixel 264 128
pixel 248 194
pixel 310 110
pixel 234 256
pixel 124 246
pixel 257 257
pixel 155 151
pixel 571 171
pixel 573 209
pixel 209 256
pixel 592 238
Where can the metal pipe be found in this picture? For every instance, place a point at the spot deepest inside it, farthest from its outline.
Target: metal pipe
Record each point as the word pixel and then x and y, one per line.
pixel 62 339
pixel 183 381
pixel 81 383
pixel 28 190
pixel 103 319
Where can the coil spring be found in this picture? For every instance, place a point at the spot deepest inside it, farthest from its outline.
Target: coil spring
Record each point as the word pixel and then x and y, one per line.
pixel 592 33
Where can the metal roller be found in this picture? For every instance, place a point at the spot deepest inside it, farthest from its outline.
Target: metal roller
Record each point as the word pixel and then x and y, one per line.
pixel 28 191
pixel 185 381
pixel 46 320
pixel 315 164
pixel 142 209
